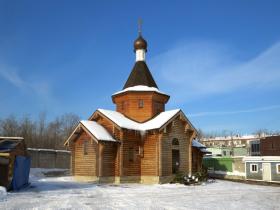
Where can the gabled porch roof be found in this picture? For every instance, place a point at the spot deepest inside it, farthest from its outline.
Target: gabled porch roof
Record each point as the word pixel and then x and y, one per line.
pixel 95 130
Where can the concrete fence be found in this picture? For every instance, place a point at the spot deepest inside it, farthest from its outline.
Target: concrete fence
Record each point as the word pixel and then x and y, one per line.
pixel 227 168
pixel 48 158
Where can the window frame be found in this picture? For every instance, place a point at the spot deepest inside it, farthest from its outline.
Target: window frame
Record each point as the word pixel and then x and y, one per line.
pixel 278 167
pixel 175 142
pixel 85 147
pixel 122 105
pixel 140 103
pixel 131 154
pixel 251 168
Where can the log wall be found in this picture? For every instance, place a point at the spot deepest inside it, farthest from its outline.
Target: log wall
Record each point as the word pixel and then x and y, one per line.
pixel 175 129
pixel 149 162
pixel 128 104
pixel 196 159
pixel 131 141
pixel 109 159
pixel 85 164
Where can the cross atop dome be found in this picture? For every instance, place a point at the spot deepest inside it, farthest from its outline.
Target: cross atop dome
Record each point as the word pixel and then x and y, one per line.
pixel 140 44
pixel 140 74
pixel 140 92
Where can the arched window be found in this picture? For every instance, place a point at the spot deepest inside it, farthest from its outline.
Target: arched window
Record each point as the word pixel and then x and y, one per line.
pixel 175 141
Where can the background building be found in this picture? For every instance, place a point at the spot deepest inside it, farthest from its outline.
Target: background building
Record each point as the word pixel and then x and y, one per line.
pixel 246 145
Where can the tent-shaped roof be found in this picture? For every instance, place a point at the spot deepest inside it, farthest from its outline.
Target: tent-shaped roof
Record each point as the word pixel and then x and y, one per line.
pixel 140 75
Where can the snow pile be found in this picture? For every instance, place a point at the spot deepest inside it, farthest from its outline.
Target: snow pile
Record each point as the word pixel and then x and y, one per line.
pixel 97 130
pixel 60 193
pixel 139 88
pixel 40 173
pixel 3 193
pixel 154 123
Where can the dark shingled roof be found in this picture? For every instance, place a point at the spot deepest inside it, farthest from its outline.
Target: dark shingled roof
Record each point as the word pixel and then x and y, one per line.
pixel 140 75
pixel 8 145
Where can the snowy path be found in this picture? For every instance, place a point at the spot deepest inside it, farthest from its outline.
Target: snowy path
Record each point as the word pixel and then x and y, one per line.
pixel 63 193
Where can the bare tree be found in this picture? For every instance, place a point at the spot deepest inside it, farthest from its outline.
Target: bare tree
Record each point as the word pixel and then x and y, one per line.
pixel 27 129
pixel 200 134
pixel 9 126
pixel 40 133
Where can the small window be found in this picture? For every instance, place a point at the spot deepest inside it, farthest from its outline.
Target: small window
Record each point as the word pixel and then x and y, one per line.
pixel 140 103
pixel 254 168
pixel 175 141
pixel 224 153
pixel 278 168
pixel 85 147
pixel 130 154
pixel 230 153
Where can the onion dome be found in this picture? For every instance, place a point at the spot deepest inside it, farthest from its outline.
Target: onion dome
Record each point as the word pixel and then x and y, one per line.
pixel 140 43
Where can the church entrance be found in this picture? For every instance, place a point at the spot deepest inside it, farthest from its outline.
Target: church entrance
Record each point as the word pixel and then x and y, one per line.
pixel 175 156
pixel 175 160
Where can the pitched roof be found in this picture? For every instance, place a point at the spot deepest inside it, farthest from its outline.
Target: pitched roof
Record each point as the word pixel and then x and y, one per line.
pixel 197 144
pixel 97 131
pixel 200 146
pixel 140 75
pixel 7 145
pixel 100 133
pixel 124 122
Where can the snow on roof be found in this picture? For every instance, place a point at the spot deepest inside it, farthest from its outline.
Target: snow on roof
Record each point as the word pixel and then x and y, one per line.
pixel 97 130
pixel 120 119
pixel 200 146
pixel 197 144
pixel 204 150
pixel 48 150
pixel 154 123
pixel 140 88
pixel 159 120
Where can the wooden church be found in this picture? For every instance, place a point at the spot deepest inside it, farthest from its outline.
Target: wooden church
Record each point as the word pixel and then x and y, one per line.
pixel 139 141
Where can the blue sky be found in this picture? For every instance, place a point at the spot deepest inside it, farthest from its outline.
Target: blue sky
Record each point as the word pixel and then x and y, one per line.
pixel 219 60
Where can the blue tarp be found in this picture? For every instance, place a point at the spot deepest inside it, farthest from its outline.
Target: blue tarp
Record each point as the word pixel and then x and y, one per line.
pixel 21 172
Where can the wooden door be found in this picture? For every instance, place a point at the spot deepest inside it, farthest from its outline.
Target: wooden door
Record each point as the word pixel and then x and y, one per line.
pixel 4 175
pixel 175 161
pixel 266 171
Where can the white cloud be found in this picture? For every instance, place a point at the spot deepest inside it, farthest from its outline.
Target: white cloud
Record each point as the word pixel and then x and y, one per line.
pixel 198 69
pixel 11 75
pixel 40 88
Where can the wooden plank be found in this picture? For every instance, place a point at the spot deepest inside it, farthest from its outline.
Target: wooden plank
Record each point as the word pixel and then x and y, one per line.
pixel 5 154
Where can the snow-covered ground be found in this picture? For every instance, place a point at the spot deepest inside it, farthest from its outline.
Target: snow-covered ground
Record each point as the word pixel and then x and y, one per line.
pixel 64 193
